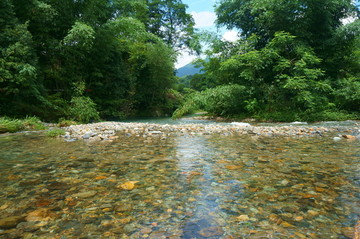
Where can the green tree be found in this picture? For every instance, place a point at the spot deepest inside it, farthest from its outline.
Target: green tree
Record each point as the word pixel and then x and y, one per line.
pixel 126 77
pixel 293 56
pixel 168 20
pixel 82 108
pixel 312 21
pixel 19 86
pixel 284 75
pixel 119 49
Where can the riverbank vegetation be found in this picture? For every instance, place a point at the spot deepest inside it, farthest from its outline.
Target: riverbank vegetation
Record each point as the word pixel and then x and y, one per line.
pixel 55 132
pixel 83 60
pixel 14 125
pixel 87 60
pixel 294 61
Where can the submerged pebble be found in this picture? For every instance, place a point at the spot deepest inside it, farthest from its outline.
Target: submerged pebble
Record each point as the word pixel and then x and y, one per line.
pixel 243 185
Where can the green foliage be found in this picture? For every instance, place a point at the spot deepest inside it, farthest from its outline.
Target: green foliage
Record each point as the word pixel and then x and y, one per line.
pixel 169 20
pixel 9 125
pixel 66 123
pixel 348 93
pixel 295 60
pixel 283 74
pixel 18 72
pixel 278 116
pixel 312 21
pixel 80 36
pixel 188 107
pixel 14 125
pixel 33 123
pixel 222 100
pixel 293 56
pixel 122 52
pixel 329 115
pixel 293 64
pixel 83 109
pixel 174 100
pixel 55 132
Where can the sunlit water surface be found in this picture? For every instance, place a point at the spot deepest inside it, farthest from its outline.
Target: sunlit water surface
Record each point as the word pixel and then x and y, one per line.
pixel 185 187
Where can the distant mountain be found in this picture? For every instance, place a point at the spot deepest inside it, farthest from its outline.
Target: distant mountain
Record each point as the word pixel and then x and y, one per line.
pixel 189 69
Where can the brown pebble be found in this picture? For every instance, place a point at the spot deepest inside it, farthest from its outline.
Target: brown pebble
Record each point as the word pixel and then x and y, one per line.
pixel 348 232
pixel 146 230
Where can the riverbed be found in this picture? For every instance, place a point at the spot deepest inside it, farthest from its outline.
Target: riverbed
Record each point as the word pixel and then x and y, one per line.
pixel 181 184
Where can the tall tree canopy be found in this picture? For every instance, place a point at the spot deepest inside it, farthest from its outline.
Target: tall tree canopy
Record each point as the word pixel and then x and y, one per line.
pixel 19 83
pixel 314 21
pixel 295 58
pixel 120 52
pixel 168 20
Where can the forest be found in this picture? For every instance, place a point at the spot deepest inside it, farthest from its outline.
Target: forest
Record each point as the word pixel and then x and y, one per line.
pixel 87 60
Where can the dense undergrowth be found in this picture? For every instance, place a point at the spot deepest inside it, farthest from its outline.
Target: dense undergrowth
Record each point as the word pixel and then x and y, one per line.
pixel 14 125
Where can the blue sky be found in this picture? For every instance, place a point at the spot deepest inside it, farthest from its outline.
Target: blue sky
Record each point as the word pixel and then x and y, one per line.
pixel 204 16
pixel 200 5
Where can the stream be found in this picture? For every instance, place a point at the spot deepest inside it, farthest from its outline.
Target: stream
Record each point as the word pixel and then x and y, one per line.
pixel 185 186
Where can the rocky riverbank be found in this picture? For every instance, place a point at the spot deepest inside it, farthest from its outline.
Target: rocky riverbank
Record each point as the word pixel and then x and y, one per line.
pixel 109 130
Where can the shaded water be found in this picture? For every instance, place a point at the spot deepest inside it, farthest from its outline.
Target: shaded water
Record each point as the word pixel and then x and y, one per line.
pixel 185 187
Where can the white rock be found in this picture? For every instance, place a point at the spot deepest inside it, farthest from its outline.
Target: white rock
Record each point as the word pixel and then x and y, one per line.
pixel 241 124
pixel 297 122
pixel 336 138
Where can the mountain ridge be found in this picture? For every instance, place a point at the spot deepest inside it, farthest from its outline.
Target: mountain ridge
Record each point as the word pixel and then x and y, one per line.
pixel 188 69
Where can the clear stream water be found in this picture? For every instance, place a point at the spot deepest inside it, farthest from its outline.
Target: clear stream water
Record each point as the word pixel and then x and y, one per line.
pixel 208 186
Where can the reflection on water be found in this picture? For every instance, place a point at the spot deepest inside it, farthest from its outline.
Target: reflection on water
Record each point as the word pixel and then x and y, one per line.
pixel 182 187
pixel 196 159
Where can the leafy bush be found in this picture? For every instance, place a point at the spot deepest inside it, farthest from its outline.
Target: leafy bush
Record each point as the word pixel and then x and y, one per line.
pixel 33 123
pixel 222 100
pixel 65 123
pixel 14 125
pixel 188 107
pixel 348 93
pixel 329 115
pixel 307 116
pixel 9 125
pixel 83 109
pixel 55 132
pixel 278 116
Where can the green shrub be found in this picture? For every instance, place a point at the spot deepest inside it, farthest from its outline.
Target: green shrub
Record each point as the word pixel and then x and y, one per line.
pixel 14 125
pixel 348 94
pixel 225 100
pixel 222 101
pixel 65 123
pixel 10 125
pixel 33 123
pixel 329 115
pixel 83 109
pixel 308 116
pixel 55 132
pixel 278 116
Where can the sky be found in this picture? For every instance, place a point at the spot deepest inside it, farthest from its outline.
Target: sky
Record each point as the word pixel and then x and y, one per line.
pixel 204 16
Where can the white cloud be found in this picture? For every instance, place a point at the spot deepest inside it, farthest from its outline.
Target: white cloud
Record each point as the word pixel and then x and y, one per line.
pixel 204 19
pixel 348 20
pixel 230 36
pixel 184 59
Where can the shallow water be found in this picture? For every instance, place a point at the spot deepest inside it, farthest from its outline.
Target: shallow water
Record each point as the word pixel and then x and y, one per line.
pixel 167 120
pixel 191 119
pixel 182 187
